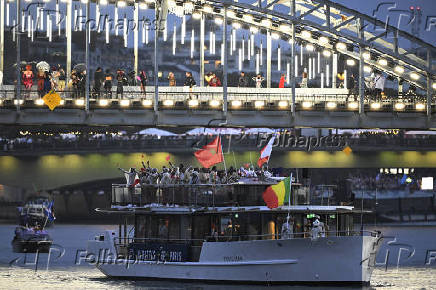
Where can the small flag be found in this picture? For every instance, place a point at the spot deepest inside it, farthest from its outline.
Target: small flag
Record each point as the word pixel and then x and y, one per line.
pixel 265 153
pixel 49 211
pixel 168 158
pixel 275 195
pixel 52 100
pixel 347 150
pixel 211 153
pixel 403 179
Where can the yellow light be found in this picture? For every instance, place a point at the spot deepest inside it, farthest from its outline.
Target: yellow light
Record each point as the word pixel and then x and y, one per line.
pixel 168 103
pixel 214 103
pixel 399 106
pixel 231 13
pixel 1 102
pixel 121 4
pixel 143 6
pixel 80 102
pixel 207 9
pixel 104 2
pixel 323 40
pixel 382 62
pixel 62 102
pixel 375 106
pixel 350 62
pixel 420 106
pixel 124 103
pixel 434 86
pixel 310 47
pixel 219 20
pixel 283 104
pixel 331 105
pixel 275 35
pixel 196 15
pixel 266 22
pixel 414 76
pixel 399 69
pixel 367 69
pixel 326 53
pixel 353 105
pixel 236 104
pixel 307 104
pixel 193 103
pixel 147 103
pixel 366 55
pixel 259 104
pixel 39 102
pixel 254 29
pixel 236 25
pixel 248 17
pixel 103 102
pixel 306 34
pixel 341 46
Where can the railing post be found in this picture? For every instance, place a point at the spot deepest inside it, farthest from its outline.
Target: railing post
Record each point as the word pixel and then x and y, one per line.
pixel 2 35
pixel 87 32
pixel 361 72
pixel 202 50
pixel 68 33
pixel 268 58
pixel 156 68
pixel 136 36
pixel 17 42
pixel 429 100
pixel 225 46
pixel 293 64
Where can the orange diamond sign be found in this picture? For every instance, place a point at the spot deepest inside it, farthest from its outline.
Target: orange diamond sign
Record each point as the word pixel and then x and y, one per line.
pixel 52 100
pixel 347 150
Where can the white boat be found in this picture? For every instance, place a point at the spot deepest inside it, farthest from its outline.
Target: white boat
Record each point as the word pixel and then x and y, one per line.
pixel 237 243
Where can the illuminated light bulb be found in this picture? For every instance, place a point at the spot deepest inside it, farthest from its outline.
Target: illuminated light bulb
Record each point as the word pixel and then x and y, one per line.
pixel 193 103
pixel 231 13
pixel 414 76
pixel 367 69
pixel 208 9
pixel 420 106
pixel 351 62
pixel 214 103
pixel 326 53
pixel 341 46
pixel 236 104
pixel 259 104
pixel 285 28
pixel 103 102
pixel 248 17
pixel 275 35
pixel 80 102
pixel 39 102
pixel 254 29
pixel 399 106
pixel 307 104
pixel 382 62
pixel 323 40
pixel 121 3
pixel 353 105
pixel 331 105
pixel 124 103
pixel 399 69
pixel 434 86
pixel 168 103
pixel 310 47
pixel 143 6
pixel 375 106
pixel 147 103
pixel 103 2
pixel 283 104
pixel 306 34
pixel 236 25
pixel 219 21
pixel 366 55
pixel 83 1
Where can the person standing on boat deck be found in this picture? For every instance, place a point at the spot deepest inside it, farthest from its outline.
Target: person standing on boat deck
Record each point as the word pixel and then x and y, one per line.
pixel 287 229
pixel 243 81
pixel 163 231
pixel 228 233
pixel 130 176
pixel 282 81
pixel 258 79
pixel 214 233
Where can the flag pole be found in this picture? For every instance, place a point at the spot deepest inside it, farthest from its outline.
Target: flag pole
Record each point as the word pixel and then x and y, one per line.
pixel 222 154
pixel 289 196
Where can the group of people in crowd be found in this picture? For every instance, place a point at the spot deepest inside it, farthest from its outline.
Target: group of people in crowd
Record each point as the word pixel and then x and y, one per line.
pixel 383 182
pixel 190 175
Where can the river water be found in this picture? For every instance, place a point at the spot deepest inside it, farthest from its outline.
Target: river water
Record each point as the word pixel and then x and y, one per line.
pixel 410 253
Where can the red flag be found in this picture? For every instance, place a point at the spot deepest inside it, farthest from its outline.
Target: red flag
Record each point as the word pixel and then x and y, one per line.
pixel 211 153
pixel 168 158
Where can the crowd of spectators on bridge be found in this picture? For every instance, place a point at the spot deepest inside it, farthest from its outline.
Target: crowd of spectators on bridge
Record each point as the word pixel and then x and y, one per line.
pixel 384 182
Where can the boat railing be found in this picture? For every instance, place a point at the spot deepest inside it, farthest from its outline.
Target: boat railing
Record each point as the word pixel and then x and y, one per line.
pixel 183 195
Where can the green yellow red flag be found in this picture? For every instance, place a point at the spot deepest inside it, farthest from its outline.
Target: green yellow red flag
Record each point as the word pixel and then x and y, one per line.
pixel 275 195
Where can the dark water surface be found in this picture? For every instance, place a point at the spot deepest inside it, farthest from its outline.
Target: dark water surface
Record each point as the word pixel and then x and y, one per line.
pixel 411 248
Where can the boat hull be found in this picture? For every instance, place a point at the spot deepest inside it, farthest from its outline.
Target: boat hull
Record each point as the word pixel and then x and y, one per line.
pixel 20 246
pixel 328 260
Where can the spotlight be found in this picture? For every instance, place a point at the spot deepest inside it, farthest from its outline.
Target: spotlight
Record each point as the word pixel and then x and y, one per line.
pixel 121 3
pixel 236 104
pixel 307 104
pixel 254 29
pixel 366 55
pixel 168 103
pixel 326 53
pixel 323 40
pixel 147 103
pixel 193 103
pixel 142 6
pixel 124 103
pixel 399 69
pixel 236 25
pixel 80 102
pixel 331 105
pixel 285 28
pixel 18 102
pixel 275 35
pixel 39 102
pixel 104 2
pixel 219 21
pixel 351 62
pixel 196 15
pixel 283 104
pixel 103 102
pixel 367 69
pixel 214 103
pixel 231 14
pixel 306 34
pixel 420 107
pixel 248 17
pixel 266 22
pixel 208 9
pixel 399 106
pixel 259 104
pixel 310 47
pixel 353 105
pixel 375 106
pixel 341 46
pixel 414 76
pixel 382 62
pixel 434 86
